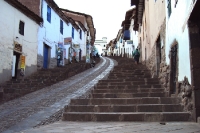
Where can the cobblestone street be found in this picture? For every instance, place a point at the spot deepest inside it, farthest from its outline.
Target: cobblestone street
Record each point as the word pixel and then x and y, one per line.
pixel 45 106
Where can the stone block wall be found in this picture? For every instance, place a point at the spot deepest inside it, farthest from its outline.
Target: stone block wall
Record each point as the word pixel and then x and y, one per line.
pixel 151 62
pixel 164 70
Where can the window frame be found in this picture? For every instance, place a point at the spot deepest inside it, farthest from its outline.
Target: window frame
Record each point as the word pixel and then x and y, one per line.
pixel 73 32
pixel 61 26
pixel 48 13
pixel 21 27
pixel 169 8
pixel 80 33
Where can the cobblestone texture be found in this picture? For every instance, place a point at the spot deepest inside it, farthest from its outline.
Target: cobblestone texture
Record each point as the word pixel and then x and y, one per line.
pixel 45 106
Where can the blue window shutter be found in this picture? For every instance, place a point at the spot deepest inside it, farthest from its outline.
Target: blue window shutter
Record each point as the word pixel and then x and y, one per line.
pixel 61 26
pixel 80 34
pixel 73 32
pixel 48 14
pixel 126 35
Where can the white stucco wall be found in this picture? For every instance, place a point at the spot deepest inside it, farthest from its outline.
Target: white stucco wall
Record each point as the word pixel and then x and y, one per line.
pixel 50 34
pixel 133 34
pixel 174 30
pixel 101 45
pixel 9 21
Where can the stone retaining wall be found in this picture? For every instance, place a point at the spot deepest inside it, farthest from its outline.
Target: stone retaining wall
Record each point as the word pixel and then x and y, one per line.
pixel 164 69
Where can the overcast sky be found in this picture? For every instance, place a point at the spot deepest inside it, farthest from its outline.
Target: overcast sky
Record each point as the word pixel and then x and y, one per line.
pixel 107 14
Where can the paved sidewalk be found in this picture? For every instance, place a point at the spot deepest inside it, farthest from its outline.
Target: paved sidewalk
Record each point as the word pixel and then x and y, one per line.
pixel 116 127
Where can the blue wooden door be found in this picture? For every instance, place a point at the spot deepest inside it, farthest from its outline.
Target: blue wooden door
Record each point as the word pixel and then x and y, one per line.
pixel 45 62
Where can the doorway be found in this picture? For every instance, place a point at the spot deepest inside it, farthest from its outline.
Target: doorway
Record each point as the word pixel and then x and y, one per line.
pixel 173 68
pixel 46 56
pixel 16 59
pixel 158 55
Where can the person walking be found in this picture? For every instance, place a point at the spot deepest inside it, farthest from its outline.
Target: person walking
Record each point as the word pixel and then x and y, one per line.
pixel 136 55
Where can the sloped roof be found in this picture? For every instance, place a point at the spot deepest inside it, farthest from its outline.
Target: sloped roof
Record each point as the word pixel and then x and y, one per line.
pixel 35 5
pixel 89 21
pixel 119 34
pixel 139 12
pixel 128 16
pixel 82 26
pixel 18 5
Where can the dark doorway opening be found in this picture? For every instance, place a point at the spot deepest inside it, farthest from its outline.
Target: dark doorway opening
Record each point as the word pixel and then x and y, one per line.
pixel 17 55
pixel 173 67
pixel 46 56
pixel 158 55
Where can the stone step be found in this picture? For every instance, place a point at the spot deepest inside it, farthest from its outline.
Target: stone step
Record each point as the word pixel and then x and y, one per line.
pixel 126 86
pixel 129 79
pixel 125 108
pixel 121 69
pixel 126 116
pixel 132 78
pixel 128 95
pixel 130 70
pixel 129 83
pixel 129 75
pixel 127 90
pixel 122 101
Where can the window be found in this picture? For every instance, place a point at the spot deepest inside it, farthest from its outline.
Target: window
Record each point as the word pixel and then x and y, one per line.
pixel 73 32
pixel 169 8
pixel 176 1
pixel 61 26
pixel 80 34
pixel 48 14
pixel 120 40
pixel 21 28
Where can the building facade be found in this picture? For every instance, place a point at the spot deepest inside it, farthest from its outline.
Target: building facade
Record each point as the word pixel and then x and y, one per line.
pixel 168 38
pixel 101 45
pixel 18 43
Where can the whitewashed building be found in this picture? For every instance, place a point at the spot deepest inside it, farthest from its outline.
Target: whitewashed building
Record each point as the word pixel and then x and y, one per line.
pixel 88 32
pixel 177 35
pixel 56 30
pixel 169 41
pixel 127 38
pixel 83 31
pixel 19 40
pixel 101 45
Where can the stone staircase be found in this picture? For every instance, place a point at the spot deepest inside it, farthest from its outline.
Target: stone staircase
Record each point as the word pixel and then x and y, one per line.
pixel 129 94
pixel 42 78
